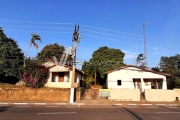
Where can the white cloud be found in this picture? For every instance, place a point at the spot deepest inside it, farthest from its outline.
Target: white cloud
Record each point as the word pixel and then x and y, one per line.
pixel 130 55
pixel 155 48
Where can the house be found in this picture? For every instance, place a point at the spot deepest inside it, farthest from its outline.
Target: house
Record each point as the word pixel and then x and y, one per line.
pixel 133 77
pixel 61 76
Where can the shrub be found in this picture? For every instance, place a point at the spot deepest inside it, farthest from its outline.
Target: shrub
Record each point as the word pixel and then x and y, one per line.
pixel 35 75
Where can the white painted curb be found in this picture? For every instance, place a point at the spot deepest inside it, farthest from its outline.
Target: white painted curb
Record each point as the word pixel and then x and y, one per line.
pixel 20 103
pixel 117 104
pixel 59 103
pixel 160 104
pixel 172 104
pixel 40 103
pixel 131 104
pixel 3 103
pixel 147 104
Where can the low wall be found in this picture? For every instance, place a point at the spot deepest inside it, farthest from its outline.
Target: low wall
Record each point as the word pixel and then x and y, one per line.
pixel 35 94
pixel 124 94
pixel 155 95
pixel 177 94
pixel 89 94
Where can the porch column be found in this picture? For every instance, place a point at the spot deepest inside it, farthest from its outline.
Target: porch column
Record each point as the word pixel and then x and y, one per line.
pixel 156 85
pixel 142 85
pixel 50 77
pixel 164 85
pixel 72 95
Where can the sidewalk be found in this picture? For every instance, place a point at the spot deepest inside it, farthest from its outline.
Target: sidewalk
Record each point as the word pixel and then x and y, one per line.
pixel 125 103
pixel 89 102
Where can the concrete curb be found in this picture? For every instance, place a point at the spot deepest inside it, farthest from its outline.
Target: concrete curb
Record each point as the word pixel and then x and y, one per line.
pixel 81 104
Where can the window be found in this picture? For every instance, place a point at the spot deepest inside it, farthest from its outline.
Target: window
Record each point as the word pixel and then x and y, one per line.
pixel 146 82
pixel 118 82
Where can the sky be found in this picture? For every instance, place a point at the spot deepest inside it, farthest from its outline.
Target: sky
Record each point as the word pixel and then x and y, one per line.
pixel 111 23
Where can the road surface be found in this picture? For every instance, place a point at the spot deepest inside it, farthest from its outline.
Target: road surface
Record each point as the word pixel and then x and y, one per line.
pixel 88 112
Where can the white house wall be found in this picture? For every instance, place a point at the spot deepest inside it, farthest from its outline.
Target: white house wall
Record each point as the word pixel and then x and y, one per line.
pixel 58 69
pixel 128 74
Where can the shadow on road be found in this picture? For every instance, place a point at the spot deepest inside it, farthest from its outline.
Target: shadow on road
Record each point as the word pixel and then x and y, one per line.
pixel 4 108
pixel 130 113
pixel 133 114
pixel 170 109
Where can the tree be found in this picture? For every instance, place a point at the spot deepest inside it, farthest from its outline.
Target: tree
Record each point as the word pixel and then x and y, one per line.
pixel 51 50
pixel 140 60
pixel 11 59
pixel 171 66
pixel 103 59
pixel 155 69
pixel 32 42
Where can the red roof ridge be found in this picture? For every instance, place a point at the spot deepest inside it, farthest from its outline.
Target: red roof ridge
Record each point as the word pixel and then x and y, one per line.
pixel 145 69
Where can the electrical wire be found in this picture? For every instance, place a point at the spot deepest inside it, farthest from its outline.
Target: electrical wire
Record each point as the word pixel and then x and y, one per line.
pixel 81 25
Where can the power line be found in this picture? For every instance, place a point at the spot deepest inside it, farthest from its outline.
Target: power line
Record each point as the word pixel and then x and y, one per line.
pixel 108 34
pixel 38 31
pixel 110 30
pixel 108 38
pixel 38 27
pixel 35 22
pixel 71 28
pixel 81 25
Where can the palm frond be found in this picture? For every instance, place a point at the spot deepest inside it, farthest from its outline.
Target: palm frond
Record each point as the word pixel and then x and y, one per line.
pixel 35 37
pixel 36 46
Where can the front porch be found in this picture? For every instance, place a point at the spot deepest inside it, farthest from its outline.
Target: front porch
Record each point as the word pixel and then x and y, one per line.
pixel 147 83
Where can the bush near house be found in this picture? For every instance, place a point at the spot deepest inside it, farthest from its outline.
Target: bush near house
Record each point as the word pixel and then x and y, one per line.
pixel 35 75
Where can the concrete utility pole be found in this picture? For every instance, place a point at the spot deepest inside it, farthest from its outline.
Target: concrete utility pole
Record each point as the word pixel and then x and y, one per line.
pixel 145 50
pixel 76 38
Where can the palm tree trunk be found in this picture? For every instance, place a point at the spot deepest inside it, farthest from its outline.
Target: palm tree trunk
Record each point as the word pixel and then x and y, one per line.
pixel 27 53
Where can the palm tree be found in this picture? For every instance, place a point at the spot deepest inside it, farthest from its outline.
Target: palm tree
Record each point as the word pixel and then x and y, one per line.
pixel 33 38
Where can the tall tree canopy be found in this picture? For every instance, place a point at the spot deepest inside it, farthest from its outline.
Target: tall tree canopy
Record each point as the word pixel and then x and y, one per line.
pixel 140 60
pixel 171 65
pixel 51 50
pixel 103 59
pixel 11 59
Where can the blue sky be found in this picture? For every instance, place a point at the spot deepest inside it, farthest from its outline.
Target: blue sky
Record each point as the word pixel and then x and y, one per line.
pixel 54 21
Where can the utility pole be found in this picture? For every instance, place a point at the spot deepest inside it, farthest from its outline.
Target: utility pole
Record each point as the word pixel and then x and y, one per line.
pixel 76 38
pixel 145 49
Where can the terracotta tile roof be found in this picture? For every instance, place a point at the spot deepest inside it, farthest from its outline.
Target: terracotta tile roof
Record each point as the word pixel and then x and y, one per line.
pixel 143 69
pixel 66 66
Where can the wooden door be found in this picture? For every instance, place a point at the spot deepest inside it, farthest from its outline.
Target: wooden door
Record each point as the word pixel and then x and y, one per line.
pixel 61 76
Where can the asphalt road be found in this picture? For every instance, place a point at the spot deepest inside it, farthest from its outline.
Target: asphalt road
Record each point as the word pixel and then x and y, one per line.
pixel 98 112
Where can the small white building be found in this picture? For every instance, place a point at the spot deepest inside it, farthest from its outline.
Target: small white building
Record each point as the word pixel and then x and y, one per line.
pixel 133 77
pixel 61 76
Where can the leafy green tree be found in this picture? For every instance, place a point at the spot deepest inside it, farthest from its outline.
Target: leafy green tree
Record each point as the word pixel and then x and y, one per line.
pixel 103 59
pixel 155 69
pixel 51 50
pixel 140 60
pixel 171 66
pixel 11 59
